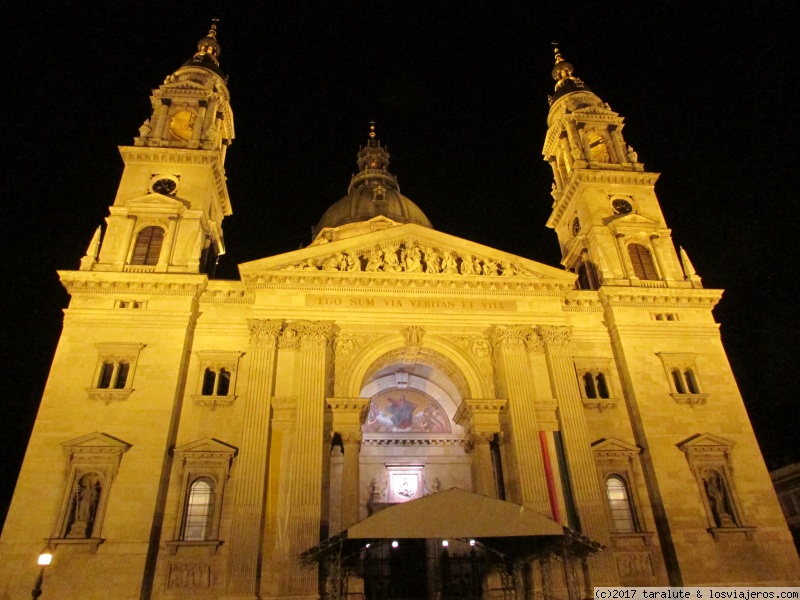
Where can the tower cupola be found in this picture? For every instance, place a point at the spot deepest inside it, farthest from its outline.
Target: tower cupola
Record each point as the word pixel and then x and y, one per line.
pixel 373 192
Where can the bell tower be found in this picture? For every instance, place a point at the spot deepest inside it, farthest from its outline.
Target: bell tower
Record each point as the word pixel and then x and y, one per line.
pixel 168 212
pixel 605 211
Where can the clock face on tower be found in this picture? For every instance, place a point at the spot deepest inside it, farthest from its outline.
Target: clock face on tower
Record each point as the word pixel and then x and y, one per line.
pixel 164 185
pixel 621 207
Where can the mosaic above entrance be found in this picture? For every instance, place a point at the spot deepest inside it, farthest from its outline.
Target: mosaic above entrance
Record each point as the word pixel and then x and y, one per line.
pixel 405 411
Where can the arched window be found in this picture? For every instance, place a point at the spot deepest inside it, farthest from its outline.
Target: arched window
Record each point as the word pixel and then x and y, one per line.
pixel 199 510
pixel 148 246
pixel 619 501
pixel 113 375
pixel 602 387
pixel 209 379
pixel 642 261
pixel 588 385
pixel 678 380
pixel 224 382
pixel 597 147
pixel 106 372
pixel 691 382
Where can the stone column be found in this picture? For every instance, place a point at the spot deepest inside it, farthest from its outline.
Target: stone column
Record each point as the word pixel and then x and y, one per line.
pixel 618 143
pixel 627 265
pixel 481 418
pixel 305 495
pixel 348 417
pixel 511 346
pixel 588 500
pixel 125 248
pixel 246 538
pixel 166 247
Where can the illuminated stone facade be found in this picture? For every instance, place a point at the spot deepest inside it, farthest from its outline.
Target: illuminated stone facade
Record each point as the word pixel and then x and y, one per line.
pixel 196 435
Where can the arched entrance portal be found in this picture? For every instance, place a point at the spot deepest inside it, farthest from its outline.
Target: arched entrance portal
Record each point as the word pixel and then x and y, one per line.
pixel 411 445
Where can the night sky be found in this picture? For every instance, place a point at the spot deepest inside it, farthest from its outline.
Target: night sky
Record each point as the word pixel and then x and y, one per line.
pixel 459 93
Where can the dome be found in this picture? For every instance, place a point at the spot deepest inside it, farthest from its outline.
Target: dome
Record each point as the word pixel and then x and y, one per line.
pixel 368 201
pixel 373 192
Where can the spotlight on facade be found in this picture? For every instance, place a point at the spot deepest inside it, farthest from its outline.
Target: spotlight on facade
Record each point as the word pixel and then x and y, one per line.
pixel 367 546
pixel 395 544
pixel 445 543
pixel 45 558
pixel 472 542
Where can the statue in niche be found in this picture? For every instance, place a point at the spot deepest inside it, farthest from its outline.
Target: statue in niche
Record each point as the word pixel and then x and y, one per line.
pixel 353 261
pixel 432 261
pixel 412 260
pixel 632 155
pixel 508 269
pixel 490 267
pixel 375 262
pixel 334 263
pixel 391 262
pixel 84 506
pixel 718 498
pixel 449 265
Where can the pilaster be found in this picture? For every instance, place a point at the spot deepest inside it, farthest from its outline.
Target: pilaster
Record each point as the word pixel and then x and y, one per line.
pixel 481 418
pixel 246 529
pixel 311 338
pixel 348 417
pixel 512 345
pixel 582 471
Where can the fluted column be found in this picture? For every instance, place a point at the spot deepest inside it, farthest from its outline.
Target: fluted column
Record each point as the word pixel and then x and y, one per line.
pixel 511 346
pixel 582 472
pixel 481 418
pixel 246 531
pixel 348 417
pixel 306 464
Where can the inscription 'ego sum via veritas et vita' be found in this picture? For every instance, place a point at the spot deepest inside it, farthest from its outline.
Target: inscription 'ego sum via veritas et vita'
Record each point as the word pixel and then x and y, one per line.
pixel 410 303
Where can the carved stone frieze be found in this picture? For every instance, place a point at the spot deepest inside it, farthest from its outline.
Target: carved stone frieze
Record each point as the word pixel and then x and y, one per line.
pixel 109 395
pixel 555 338
pixel 409 257
pixel 264 333
pixel 213 402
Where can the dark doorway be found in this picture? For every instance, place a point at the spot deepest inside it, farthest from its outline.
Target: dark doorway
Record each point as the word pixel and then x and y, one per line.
pixel 396 573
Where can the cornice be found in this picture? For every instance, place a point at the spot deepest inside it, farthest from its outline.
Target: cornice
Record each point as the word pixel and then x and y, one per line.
pixel 582 177
pixel 162 154
pixel 641 297
pixel 102 282
pixel 435 283
pixel 122 318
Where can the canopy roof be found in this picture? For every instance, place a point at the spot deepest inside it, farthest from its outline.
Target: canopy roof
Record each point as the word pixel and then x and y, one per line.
pixel 456 514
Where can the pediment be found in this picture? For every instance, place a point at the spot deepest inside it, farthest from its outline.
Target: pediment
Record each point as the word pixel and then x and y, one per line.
pixel 407 250
pixel 634 220
pixel 207 446
pixel 95 443
pixel 705 442
pixel 184 84
pixel 155 201
pixel 614 446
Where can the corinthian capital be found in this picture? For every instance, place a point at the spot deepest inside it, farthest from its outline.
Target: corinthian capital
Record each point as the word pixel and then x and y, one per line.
pixel 314 334
pixel 516 337
pixel 264 333
pixel 555 338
